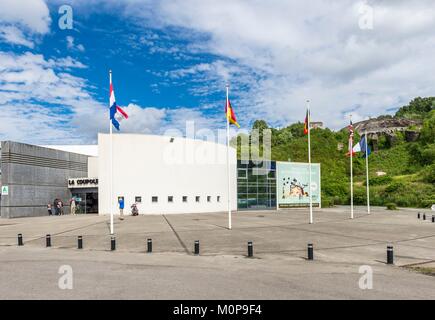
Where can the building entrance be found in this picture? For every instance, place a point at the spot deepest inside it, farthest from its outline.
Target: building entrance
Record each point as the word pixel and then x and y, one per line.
pixel 86 200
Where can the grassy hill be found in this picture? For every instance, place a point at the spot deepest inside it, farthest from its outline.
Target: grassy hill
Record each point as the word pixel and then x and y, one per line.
pixel 409 167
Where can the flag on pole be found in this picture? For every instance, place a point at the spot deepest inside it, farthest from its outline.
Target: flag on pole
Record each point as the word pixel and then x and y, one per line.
pixel 116 113
pixel 350 145
pixel 361 147
pixel 230 114
pixel 306 122
pixel 308 132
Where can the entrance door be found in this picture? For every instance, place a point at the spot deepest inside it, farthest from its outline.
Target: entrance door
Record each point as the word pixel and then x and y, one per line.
pixel 86 201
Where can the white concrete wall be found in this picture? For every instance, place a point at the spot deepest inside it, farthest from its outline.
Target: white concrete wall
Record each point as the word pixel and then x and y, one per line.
pixel 93 167
pixel 146 166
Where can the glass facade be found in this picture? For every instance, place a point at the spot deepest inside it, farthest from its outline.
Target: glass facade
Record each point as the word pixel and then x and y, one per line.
pixel 256 185
pixel 86 200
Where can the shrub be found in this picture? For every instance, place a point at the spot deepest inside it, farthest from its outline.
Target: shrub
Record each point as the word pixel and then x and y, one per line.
pixel 428 174
pixel 391 206
pixel 395 186
pixel 427 203
pixel 340 189
pixel 381 180
pixel 337 200
pixel 428 154
pixel 327 202
pixel 359 196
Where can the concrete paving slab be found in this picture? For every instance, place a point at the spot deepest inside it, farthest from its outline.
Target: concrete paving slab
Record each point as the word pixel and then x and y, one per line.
pixel 279 269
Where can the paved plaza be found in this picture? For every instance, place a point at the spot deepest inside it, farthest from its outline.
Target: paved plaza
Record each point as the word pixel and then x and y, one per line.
pixel 278 270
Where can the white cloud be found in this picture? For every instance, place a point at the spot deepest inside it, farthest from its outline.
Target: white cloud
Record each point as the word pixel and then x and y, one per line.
pixel 14 35
pixel 22 20
pixel 71 46
pixel 143 120
pixel 39 100
pixel 42 103
pixel 283 52
pixel 34 14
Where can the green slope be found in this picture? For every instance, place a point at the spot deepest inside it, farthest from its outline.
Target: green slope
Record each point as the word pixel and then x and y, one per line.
pixel 409 167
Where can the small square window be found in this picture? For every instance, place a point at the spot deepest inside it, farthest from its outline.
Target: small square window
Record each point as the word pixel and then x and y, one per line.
pixel 138 199
pixel 170 199
pixel 184 198
pixel 241 173
pixel 197 198
pixel 218 198
pixel 154 199
pixel 208 198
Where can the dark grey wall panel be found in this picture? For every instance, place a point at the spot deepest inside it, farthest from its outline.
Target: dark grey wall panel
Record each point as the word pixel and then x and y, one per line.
pixel 36 176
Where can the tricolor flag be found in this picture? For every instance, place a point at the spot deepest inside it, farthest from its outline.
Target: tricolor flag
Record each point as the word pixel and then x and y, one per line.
pixel 350 145
pixel 306 122
pixel 230 114
pixel 116 113
pixel 361 147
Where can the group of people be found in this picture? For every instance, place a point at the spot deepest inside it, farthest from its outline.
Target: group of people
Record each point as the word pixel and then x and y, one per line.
pixel 134 209
pixel 56 208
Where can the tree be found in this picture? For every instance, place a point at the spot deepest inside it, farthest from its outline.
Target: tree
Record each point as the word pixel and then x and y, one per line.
pixel 260 125
pixel 428 129
pixel 417 108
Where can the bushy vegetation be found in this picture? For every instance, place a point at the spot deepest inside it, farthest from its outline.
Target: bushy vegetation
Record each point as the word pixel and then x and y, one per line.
pixel 391 206
pixel 409 167
pixel 417 108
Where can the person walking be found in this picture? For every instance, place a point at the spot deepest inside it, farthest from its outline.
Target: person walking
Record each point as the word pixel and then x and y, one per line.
pixel 121 208
pixel 55 207
pixel 73 207
pixel 60 207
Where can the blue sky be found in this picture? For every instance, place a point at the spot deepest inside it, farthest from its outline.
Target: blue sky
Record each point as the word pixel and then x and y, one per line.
pixel 171 60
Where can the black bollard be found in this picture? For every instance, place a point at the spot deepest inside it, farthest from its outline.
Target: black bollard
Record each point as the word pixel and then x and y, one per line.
pixel 20 239
pixel 310 252
pixel 433 218
pixel 390 255
pixel 80 242
pixel 424 216
pixel 48 240
pixel 149 245
pixel 418 215
pixel 250 249
pixel 196 247
pixel 112 244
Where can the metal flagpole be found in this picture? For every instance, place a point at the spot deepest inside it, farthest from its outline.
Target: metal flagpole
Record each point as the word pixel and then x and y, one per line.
pixel 351 171
pixel 367 176
pixel 111 166
pixel 309 159
pixel 228 162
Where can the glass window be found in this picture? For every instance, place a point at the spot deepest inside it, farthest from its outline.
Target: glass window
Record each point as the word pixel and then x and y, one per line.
pixel 241 174
pixel 197 198
pixel 258 189
pixel 208 198
pixel 242 188
pixel 170 198
pixel 262 188
pixel 138 199
pixel 218 198
pixel 154 199
pixel 184 198
pixel 252 177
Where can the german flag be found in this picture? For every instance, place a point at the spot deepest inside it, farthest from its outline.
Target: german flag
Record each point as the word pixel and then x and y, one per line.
pixel 306 122
pixel 230 114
